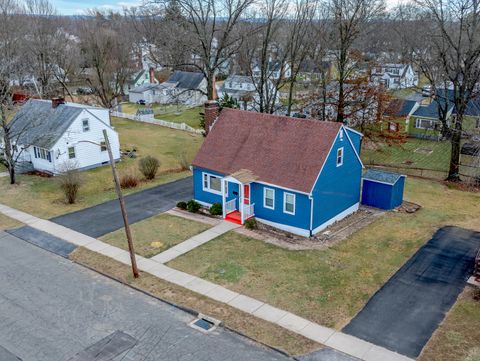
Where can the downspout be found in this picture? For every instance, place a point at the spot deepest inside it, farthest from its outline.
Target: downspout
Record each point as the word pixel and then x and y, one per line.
pixel 311 214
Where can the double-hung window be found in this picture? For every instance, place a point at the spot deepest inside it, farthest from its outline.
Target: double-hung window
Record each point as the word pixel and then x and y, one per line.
pixel 41 153
pixel 212 183
pixel 103 146
pixel 269 198
pixel 289 203
pixel 339 157
pixel 71 153
pixel 85 125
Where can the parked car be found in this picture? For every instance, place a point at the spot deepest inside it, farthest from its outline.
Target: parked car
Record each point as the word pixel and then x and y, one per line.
pixel 141 102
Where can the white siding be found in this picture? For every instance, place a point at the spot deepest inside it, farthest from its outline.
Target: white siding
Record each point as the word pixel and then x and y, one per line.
pixel 87 155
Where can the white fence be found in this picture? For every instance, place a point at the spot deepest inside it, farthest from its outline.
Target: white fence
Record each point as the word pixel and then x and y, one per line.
pixel 150 118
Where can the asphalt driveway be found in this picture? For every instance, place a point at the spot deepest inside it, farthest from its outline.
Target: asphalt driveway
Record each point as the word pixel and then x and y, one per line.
pixel 104 218
pixel 55 310
pixel 405 312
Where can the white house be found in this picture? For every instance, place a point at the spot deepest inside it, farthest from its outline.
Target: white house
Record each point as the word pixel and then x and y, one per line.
pixel 188 88
pixel 275 70
pixel 394 76
pixel 243 89
pixel 54 134
pixel 141 77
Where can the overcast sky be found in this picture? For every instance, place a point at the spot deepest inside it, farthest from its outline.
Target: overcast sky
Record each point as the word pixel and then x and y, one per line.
pixel 77 7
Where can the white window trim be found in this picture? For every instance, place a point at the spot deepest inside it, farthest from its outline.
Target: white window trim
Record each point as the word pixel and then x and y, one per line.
pixel 418 122
pixel 210 190
pixel 87 128
pixel 285 203
pixel 343 153
pixel 265 198
pixel 74 152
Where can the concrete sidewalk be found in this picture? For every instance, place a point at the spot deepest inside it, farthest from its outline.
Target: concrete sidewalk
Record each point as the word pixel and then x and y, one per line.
pixel 350 345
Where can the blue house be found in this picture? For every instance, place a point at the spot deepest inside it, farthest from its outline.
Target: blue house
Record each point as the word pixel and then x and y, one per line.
pixel 299 175
pixel 382 189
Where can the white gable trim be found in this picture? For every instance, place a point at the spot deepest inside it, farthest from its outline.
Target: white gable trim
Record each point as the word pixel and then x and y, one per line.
pixel 100 120
pixel 356 153
pixel 353 130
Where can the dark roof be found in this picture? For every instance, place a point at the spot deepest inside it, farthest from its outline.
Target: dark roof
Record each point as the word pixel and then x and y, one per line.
pixel 400 107
pixel 186 79
pixel 283 151
pixel 381 176
pixel 430 110
pixel 37 123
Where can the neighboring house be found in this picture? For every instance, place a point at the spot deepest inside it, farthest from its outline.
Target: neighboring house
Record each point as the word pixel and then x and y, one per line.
pixel 275 70
pixel 54 134
pixel 394 76
pixel 243 89
pixel 142 77
pixel 398 114
pixel 425 121
pixel 299 175
pixel 311 71
pixel 188 88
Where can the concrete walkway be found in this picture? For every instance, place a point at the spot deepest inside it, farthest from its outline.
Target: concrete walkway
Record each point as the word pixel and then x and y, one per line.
pixel 350 345
pixel 194 242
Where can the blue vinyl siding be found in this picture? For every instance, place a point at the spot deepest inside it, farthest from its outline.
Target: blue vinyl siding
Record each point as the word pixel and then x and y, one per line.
pixel 198 193
pixel 356 140
pixel 337 188
pixel 383 196
pixel 301 218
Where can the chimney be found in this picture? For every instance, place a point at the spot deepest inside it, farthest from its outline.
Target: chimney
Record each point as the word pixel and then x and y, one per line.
pixel 57 101
pixel 152 75
pixel 212 110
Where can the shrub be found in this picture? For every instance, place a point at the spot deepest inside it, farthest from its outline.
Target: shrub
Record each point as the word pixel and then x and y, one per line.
pixel 70 181
pixel 149 166
pixel 193 206
pixel 182 205
pixel 183 161
pixel 216 209
pixel 251 223
pixel 129 180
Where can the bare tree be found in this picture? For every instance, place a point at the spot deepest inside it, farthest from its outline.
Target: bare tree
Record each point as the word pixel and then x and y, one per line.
pixel 350 20
pixel 455 50
pixel 300 40
pixel 107 48
pixel 40 43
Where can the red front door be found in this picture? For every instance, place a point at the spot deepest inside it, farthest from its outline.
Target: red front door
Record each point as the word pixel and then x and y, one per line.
pixel 246 194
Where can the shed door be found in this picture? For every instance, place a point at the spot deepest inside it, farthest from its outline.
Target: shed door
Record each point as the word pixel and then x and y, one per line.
pixel 246 194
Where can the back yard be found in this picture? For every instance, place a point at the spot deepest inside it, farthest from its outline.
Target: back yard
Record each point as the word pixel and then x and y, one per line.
pixel 171 113
pixel 43 197
pixel 330 286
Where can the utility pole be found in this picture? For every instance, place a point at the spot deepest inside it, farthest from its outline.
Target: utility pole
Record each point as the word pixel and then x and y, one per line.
pixel 122 207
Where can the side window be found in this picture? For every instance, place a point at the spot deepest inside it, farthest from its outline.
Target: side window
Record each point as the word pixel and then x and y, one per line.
pixel 269 198
pixel 71 153
pixel 85 125
pixel 103 146
pixel 289 203
pixel 339 157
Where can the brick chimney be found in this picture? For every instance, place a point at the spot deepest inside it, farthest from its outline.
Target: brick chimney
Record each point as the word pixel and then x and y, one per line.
pixel 212 110
pixel 57 101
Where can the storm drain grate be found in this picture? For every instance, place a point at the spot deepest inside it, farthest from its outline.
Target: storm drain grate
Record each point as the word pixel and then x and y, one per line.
pixel 204 323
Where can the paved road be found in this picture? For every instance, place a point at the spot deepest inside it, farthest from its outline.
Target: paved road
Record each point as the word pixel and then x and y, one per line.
pixel 405 312
pixel 104 218
pixel 54 310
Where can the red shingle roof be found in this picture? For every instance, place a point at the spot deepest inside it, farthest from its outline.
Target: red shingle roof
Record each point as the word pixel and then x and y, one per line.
pixel 283 151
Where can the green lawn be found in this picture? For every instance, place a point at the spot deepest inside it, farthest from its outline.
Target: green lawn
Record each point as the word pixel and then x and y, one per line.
pixel 331 286
pixel 157 234
pixel 414 153
pixel 43 198
pixel 189 116
pixel 171 113
pixel 458 335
